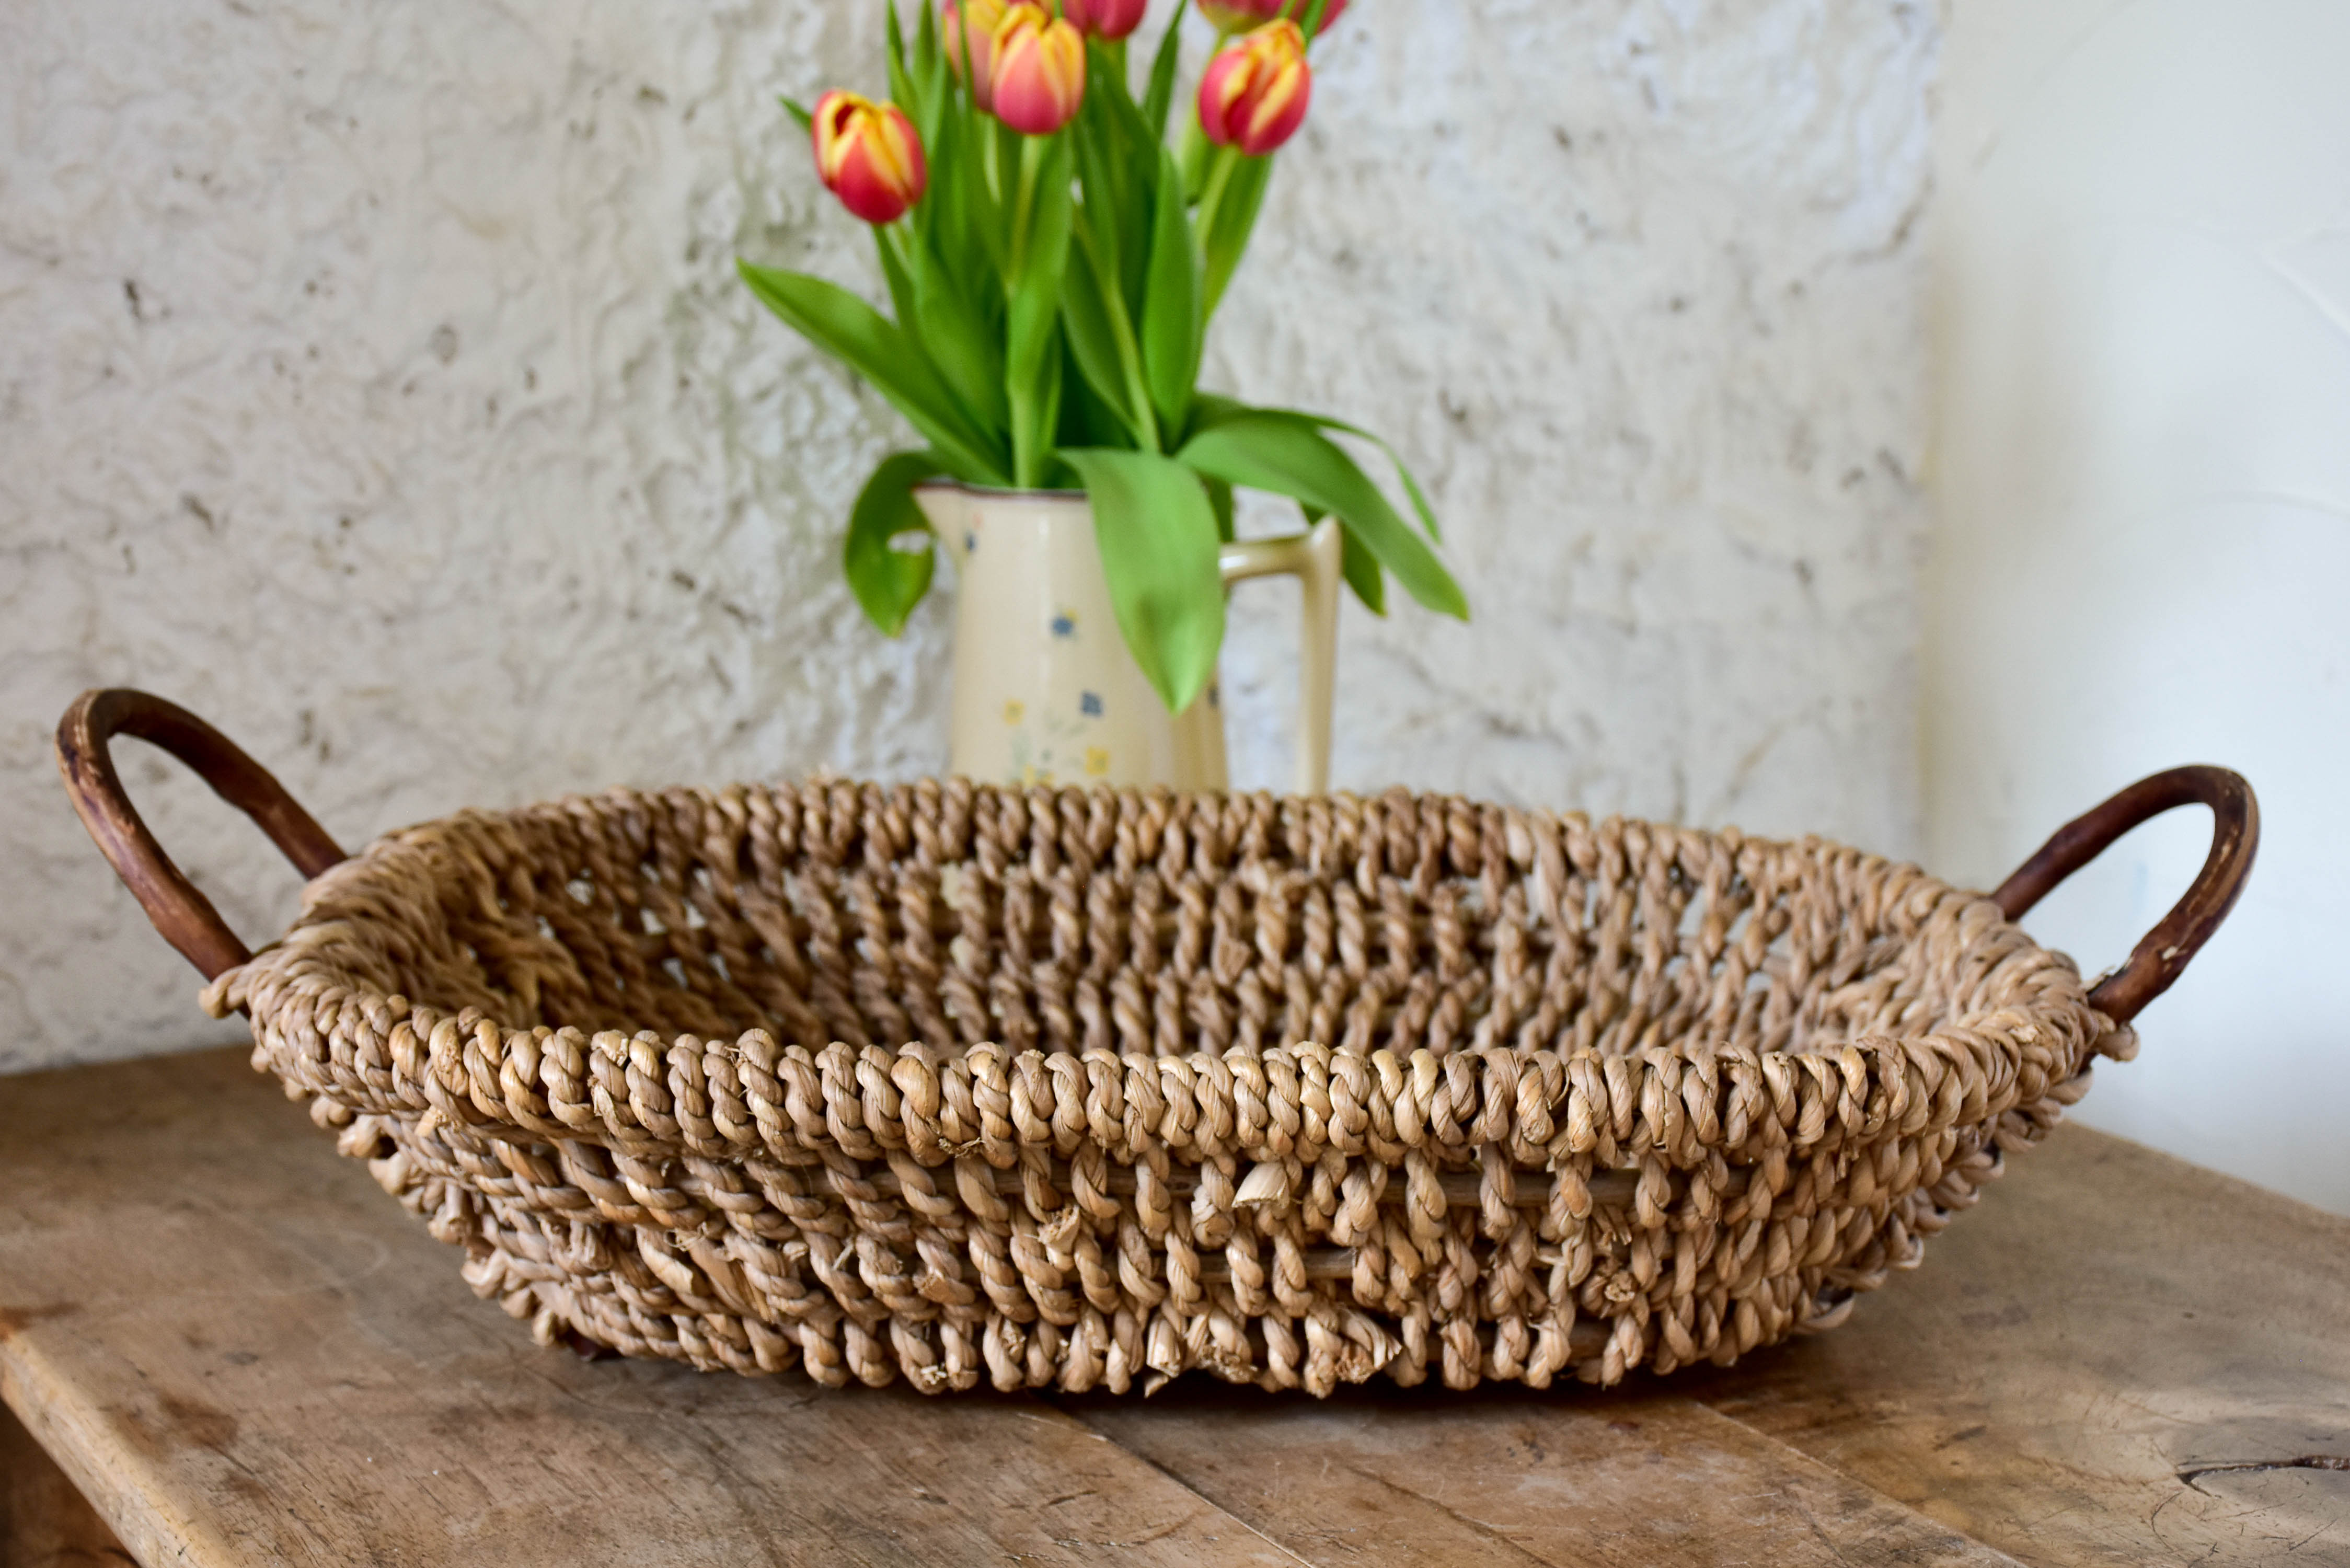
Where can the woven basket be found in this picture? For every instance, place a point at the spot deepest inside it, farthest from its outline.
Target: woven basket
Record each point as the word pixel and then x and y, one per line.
pixel 1082 1089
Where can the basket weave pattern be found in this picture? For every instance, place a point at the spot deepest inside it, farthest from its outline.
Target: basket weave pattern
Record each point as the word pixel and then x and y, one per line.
pixel 1083 1089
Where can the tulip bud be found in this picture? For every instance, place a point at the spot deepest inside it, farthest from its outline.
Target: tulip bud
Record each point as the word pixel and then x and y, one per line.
pixel 1240 16
pixel 1253 95
pixel 1040 71
pixel 1111 19
pixel 968 33
pixel 868 154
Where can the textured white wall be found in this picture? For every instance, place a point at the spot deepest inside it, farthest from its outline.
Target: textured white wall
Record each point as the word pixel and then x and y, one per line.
pixel 2144 478
pixel 376 383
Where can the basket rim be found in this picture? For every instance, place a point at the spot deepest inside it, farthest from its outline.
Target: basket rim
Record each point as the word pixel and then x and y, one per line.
pixel 1686 1102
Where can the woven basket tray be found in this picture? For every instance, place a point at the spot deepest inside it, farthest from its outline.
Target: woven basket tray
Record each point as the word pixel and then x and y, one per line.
pixel 1079 1089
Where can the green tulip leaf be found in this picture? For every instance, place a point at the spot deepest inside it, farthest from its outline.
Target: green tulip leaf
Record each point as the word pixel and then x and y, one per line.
pixel 889 581
pixel 934 84
pixel 902 82
pixel 1092 338
pixel 1086 419
pixel 1220 501
pixel 870 343
pixel 1160 97
pixel 1209 409
pixel 1193 151
pixel 1100 182
pixel 1031 362
pixel 965 353
pixel 1157 537
pixel 1229 223
pixel 1170 304
pixel 898 280
pixel 934 314
pixel 1125 156
pixel 1286 455
pixel 1403 473
pixel 960 218
pixel 1361 570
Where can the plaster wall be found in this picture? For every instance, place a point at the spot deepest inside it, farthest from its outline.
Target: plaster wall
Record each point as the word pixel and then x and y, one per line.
pixel 2143 479
pixel 376 383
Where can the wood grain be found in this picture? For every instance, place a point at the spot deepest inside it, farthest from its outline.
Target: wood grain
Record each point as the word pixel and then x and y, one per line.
pixel 1512 1477
pixel 2109 1321
pixel 241 1352
pixel 45 1521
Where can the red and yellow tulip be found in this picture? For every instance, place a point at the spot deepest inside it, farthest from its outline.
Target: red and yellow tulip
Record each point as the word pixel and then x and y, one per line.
pixel 868 154
pixel 1240 16
pixel 1254 94
pixel 1069 250
pixel 1040 71
pixel 1111 19
pixel 967 31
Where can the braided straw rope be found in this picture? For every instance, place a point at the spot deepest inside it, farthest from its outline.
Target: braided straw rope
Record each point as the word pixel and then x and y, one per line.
pixel 1073 1088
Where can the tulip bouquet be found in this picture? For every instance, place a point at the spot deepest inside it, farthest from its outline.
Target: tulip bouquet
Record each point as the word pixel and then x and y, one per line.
pixel 1052 264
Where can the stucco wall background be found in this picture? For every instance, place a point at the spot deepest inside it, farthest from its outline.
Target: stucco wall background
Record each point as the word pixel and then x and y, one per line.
pixel 375 382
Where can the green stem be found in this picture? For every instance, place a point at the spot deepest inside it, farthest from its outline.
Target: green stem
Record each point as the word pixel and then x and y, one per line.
pixel 1025 460
pixel 1024 205
pixel 1220 164
pixel 1027 456
pixel 974 117
pixel 1192 152
pixel 991 161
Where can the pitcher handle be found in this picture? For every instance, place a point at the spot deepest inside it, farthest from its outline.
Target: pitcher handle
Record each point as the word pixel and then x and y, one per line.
pixel 1315 559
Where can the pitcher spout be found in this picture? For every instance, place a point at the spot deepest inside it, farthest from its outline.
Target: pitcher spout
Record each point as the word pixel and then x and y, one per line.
pixel 946 506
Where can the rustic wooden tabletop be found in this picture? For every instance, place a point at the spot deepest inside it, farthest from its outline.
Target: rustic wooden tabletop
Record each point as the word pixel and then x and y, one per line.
pixel 241 1352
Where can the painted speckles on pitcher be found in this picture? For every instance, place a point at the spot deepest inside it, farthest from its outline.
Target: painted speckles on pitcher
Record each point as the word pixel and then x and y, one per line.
pixel 1049 747
pixel 1046 692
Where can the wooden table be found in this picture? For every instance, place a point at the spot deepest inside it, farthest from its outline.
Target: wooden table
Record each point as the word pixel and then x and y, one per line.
pixel 241 1352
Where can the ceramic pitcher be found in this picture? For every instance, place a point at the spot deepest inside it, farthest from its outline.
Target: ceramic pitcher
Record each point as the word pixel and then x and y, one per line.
pixel 1045 690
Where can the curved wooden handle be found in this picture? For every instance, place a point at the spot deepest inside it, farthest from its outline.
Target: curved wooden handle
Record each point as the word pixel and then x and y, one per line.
pixel 2161 957
pixel 185 917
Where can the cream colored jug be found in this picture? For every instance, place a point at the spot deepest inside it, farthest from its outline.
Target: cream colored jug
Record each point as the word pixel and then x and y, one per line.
pixel 1045 690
